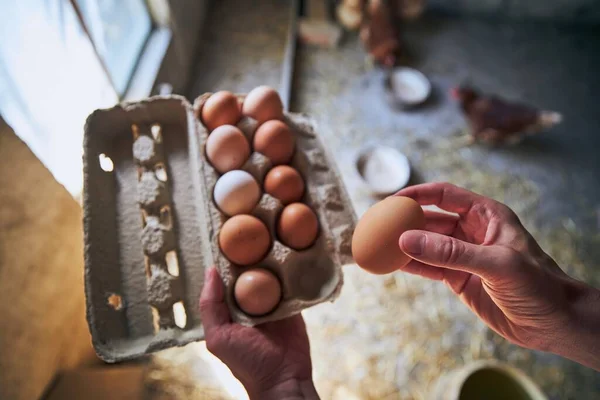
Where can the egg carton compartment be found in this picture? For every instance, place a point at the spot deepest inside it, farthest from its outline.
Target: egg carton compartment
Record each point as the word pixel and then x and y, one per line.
pixel 308 277
pixel 151 227
pixel 146 244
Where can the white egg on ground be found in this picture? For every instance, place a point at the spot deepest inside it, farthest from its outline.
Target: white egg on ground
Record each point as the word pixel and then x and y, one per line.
pixel 236 192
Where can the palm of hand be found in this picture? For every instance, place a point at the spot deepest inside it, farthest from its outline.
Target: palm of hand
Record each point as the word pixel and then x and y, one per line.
pixel 520 302
pixel 268 354
pixel 262 357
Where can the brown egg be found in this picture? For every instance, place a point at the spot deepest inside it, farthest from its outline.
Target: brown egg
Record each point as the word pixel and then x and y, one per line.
pixel 274 139
pixel 297 226
pixel 263 103
pixel 257 291
pixel 375 246
pixel 227 148
pixel 220 108
pixel 244 239
pixel 284 183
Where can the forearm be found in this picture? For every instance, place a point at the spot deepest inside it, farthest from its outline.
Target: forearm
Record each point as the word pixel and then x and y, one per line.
pixel 288 390
pixel 582 343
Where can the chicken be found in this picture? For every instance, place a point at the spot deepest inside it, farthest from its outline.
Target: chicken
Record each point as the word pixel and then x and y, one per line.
pixel 409 9
pixel 496 121
pixel 350 13
pixel 379 33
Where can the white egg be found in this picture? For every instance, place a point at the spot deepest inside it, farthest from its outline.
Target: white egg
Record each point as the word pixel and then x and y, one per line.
pixel 236 192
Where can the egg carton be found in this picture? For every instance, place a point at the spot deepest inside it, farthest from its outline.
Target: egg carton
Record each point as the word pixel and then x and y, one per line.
pixel 151 226
pixel 310 276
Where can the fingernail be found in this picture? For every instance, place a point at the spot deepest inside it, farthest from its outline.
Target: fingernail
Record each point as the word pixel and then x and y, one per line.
pixel 413 243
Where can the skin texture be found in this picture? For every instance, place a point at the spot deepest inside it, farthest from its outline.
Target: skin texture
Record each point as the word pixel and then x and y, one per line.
pixel 482 253
pixel 272 360
pixel 498 270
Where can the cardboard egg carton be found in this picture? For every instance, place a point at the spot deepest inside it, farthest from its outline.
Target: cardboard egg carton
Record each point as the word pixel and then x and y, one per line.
pixel 310 276
pixel 151 226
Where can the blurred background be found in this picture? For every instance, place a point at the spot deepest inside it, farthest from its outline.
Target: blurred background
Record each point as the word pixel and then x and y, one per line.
pixel 386 337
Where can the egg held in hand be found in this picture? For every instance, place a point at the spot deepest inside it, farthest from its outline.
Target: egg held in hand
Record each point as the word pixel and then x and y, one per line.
pixel 375 246
pixel 257 291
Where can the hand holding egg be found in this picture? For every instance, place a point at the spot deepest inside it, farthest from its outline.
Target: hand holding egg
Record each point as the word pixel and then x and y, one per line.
pixel 282 345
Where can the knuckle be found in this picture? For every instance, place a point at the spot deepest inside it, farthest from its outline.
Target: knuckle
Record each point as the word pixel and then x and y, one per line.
pixel 450 251
pixel 480 210
pixel 512 258
pixel 206 305
pixel 448 186
pixel 445 251
pixel 505 212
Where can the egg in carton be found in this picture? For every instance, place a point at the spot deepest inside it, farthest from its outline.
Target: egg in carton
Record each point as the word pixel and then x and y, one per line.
pixel 152 226
pixel 310 275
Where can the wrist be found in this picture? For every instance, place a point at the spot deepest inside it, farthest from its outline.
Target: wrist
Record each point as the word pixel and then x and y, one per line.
pixel 291 389
pixel 581 344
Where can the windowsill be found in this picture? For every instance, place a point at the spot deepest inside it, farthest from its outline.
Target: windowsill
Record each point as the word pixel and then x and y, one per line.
pixel 145 74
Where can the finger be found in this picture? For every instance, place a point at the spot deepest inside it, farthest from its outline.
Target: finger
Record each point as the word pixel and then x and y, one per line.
pixel 439 222
pixel 448 252
pixel 444 195
pixel 454 279
pixel 213 309
pixel 426 271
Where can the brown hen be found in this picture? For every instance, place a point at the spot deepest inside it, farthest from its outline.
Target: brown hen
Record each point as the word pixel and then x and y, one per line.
pixel 496 121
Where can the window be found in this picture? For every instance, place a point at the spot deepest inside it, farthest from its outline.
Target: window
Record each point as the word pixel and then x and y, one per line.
pixel 119 29
pixel 60 60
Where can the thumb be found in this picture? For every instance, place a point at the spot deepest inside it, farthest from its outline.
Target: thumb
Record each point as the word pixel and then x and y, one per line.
pixel 448 252
pixel 213 309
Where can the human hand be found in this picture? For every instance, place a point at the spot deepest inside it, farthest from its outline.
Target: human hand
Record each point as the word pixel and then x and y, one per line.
pixel 498 270
pixel 271 360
